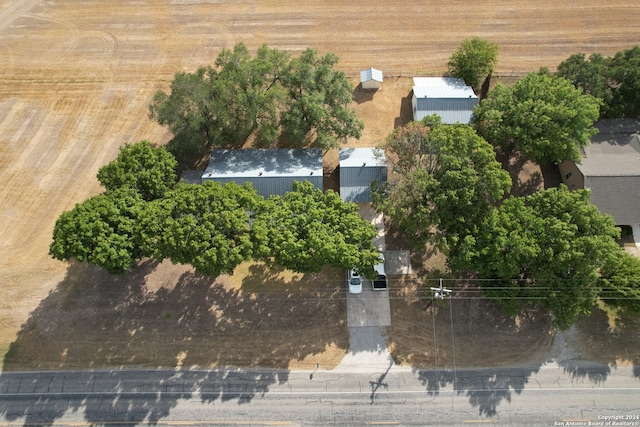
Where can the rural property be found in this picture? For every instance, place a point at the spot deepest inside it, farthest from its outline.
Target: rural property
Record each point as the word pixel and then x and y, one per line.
pixel 76 80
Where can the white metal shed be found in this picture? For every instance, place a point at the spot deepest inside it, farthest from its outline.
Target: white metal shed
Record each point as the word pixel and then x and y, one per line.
pixel 371 78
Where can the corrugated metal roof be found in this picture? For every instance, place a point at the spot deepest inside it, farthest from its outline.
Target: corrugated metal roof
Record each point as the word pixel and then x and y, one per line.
pixel 295 162
pixel 371 74
pixel 441 87
pixel 359 157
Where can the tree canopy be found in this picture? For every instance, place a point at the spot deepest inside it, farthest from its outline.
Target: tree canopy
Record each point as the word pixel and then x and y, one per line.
pixel 204 225
pixel 542 115
pixel 620 281
pixel 473 61
pixel 148 170
pixel 542 249
pixel 614 80
pixel 271 94
pixel 450 180
pixel 102 230
pixel 306 229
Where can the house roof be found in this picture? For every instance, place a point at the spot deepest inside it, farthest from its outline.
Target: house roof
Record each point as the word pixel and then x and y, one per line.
pixel 611 169
pixel 295 162
pixel 614 151
pixel 362 157
pixel 371 74
pixel 441 87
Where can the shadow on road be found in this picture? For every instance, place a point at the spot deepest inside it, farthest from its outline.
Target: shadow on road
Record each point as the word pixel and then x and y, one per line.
pixel 168 317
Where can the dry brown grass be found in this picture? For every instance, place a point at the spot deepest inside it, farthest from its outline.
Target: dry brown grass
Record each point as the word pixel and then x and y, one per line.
pixel 76 81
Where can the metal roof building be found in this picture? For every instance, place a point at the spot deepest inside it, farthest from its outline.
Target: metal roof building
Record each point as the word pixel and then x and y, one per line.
pixel 371 78
pixel 271 171
pixel 449 97
pixel 359 167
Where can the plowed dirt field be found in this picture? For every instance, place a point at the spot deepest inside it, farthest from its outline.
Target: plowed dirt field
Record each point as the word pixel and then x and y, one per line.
pixel 76 78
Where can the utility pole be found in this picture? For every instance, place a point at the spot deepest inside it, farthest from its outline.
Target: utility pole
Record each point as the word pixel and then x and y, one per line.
pixel 441 292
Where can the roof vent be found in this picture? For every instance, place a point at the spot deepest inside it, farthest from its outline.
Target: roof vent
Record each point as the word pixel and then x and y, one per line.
pixel 260 173
pixel 311 173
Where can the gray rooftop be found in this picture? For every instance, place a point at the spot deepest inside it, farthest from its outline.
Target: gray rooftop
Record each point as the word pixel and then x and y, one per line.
pixel 614 151
pixel 275 162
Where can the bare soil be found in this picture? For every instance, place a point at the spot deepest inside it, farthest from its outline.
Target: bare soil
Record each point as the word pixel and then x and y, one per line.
pixel 75 84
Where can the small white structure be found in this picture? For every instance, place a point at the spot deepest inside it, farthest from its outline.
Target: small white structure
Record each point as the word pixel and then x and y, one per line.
pixel 371 79
pixel 449 97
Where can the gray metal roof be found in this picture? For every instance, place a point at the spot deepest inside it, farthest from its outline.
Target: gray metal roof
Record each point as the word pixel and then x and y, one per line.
pixel 276 162
pixel 441 87
pixel 371 74
pixel 362 157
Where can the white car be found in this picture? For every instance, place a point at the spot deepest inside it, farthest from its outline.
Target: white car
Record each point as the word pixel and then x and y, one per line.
pixel 354 281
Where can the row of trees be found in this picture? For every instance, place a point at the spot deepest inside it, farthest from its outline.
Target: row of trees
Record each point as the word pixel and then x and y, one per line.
pixel 145 213
pixel 302 101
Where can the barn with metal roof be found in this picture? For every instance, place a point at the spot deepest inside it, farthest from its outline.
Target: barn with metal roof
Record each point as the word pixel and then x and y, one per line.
pixel 449 97
pixel 271 171
pixel 359 167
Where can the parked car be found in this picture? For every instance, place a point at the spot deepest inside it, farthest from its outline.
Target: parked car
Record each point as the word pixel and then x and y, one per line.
pixel 354 281
pixel 380 283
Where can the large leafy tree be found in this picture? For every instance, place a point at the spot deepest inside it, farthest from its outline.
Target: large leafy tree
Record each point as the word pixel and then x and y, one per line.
pixel 306 229
pixel 450 181
pixel 204 225
pixel 221 106
pixel 473 61
pixel 620 281
pixel 614 80
pixel 102 230
pixel 320 98
pixel 543 249
pixel 591 75
pixel 542 115
pixel 148 170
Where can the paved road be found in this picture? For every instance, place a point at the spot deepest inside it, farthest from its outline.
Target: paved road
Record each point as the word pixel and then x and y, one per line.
pixel 541 395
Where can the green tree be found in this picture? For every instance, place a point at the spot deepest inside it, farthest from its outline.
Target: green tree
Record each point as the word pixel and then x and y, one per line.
pixel 319 112
pixel 220 106
pixel 542 115
pixel 450 180
pixel 306 229
pixel 542 249
pixel 148 170
pixel 473 61
pixel 625 73
pixel 102 230
pixel 592 75
pixel 620 281
pixel 206 226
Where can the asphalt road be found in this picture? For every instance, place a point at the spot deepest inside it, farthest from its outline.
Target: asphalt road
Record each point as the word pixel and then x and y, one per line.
pixel 547 395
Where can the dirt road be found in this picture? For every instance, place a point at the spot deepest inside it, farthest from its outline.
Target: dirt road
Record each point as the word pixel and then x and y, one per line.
pixel 76 78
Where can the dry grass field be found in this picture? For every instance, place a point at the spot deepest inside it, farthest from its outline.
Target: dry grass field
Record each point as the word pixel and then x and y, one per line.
pixel 76 78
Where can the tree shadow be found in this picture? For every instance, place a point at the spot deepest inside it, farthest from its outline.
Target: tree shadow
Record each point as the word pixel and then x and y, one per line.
pixel 526 176
pixel 171 321
pixel 486 389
